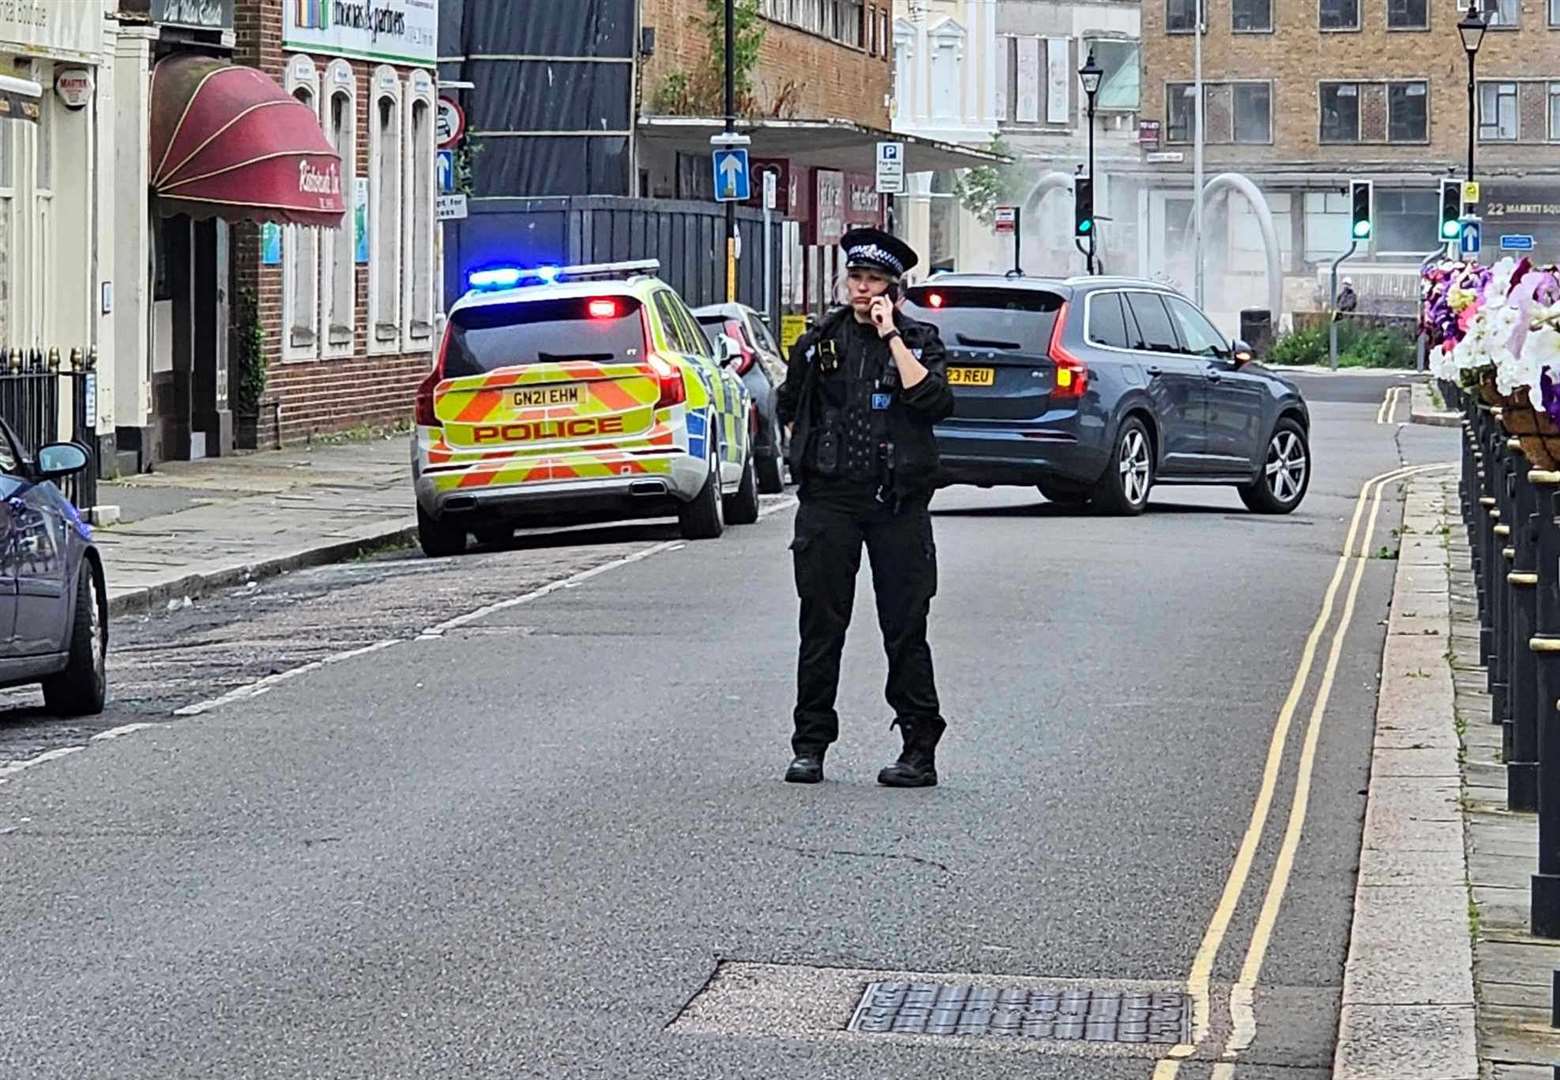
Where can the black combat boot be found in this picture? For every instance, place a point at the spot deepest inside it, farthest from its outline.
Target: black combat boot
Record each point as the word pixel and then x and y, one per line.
pixel 806 768
pixel 917 764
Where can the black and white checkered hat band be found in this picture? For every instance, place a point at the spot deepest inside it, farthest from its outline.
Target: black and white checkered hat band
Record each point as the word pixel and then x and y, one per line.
pixel 873 255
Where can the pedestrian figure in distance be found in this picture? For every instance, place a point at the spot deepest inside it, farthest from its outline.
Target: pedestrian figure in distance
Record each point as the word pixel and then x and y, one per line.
pixel 1348 301
pixel 863 389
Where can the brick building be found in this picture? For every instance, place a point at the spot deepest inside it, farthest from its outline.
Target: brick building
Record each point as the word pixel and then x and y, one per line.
pixel 1304 95
pixel 346 316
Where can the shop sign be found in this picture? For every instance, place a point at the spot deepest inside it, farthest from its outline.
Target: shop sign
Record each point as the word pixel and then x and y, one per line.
pixel 74 87
pixel 394 31
pixel 828 207
pixel 52 28
pixel 863 204
pixel 1148 134
pixel 199 14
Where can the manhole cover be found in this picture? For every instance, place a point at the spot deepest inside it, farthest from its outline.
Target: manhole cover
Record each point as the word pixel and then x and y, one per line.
pixel 1077 1014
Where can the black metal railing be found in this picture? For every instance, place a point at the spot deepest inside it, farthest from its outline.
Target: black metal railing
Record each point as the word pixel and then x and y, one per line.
pixel 46 400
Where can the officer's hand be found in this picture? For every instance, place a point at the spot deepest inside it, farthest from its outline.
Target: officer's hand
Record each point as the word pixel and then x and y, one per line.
pixel 882 314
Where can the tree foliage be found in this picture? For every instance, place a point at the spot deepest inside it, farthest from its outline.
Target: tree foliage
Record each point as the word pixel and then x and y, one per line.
pixel 982 190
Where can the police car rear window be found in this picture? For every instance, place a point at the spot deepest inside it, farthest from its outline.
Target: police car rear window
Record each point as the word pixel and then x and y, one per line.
pixel 492 336
pixel 987 318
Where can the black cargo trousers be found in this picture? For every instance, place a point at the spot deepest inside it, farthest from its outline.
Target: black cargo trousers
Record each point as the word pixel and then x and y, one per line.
pixel 827 556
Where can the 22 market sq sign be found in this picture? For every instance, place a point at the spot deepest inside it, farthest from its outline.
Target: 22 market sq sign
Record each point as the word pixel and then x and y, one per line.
pixel 393 31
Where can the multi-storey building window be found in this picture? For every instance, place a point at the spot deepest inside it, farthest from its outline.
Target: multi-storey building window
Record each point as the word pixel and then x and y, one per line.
pixel 385 204
pixel 301 244
pixel 1408 14
pixel 841 20
pixel 1498 115
pixel 1181 16
pixel 1504 14
pixel 1251 16
pixel 1180 112
pixel 1340 14
pixel 339 258
pixel 1554 136
pixel 1554 13
pixel 1253 107
pixel 1340 112
pixel 1408 114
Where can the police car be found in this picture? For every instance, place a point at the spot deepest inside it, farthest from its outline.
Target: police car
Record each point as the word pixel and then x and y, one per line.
pixel 568 395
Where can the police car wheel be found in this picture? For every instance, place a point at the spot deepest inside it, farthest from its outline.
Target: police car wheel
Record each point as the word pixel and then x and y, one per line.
pixel 703 518
pixel 742 508
pixel 438 539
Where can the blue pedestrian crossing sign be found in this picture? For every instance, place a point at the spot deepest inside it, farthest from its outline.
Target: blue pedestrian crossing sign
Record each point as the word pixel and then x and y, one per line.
pixel 1471 238
pixel 445 171
pixel 731 175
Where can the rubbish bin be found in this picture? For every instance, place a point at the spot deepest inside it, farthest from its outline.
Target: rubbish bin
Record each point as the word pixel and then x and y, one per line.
pixel 1256 329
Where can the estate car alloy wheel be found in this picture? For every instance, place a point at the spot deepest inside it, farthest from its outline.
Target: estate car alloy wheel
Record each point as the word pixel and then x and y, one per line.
pixel 1286 472
pixel 1130 475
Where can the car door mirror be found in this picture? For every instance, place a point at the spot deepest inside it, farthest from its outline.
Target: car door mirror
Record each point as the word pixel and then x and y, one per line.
pixel 1241 354
pixel 61 459
pixel 729 351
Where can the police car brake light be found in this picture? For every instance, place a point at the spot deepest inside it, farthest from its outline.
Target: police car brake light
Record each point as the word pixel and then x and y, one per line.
pixel 670 379
pixel 602 308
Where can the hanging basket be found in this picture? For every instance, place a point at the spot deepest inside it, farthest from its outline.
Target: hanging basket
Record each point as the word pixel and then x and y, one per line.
pixel 1487 392
pixel 1539 436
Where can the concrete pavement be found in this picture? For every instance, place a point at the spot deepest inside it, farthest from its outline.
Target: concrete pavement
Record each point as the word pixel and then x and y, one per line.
pixel 546 839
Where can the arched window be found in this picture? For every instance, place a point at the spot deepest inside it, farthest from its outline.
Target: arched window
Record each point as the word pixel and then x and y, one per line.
pixel 340 245
pixel 420 213
pixel 385 172
pixel 301 254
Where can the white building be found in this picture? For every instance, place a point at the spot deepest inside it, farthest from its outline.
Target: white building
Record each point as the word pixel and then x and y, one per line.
pixel 969 70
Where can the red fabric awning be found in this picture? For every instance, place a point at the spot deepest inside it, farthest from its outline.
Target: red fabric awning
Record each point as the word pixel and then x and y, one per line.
pixel 228 142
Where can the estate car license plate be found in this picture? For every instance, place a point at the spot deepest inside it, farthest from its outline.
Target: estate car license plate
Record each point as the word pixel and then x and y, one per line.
pixel 971 376
pixel 532 397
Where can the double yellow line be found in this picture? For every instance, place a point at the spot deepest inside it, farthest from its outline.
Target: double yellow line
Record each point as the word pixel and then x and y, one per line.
pixel 1199 981
pixel 1389 404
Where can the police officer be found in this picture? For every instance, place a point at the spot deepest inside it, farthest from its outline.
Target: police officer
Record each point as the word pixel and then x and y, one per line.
pixel 863 389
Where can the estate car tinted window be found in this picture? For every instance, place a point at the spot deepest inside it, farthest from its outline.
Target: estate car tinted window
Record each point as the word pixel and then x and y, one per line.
pixel 1154 330
pixel 987 318
pixel 492 336
pixel 1196 331
pixel 1107 325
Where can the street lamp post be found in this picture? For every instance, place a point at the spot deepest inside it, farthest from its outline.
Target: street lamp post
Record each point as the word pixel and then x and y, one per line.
pixel 1472 26
pixel 731 127
pixel 1090 75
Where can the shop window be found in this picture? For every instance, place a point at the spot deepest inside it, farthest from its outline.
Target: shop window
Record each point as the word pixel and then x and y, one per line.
pixel 385 182
pixel 301 244
pixel 419 240
pixel 339 260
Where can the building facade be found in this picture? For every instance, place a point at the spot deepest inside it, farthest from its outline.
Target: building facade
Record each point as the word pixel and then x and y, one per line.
pixel 56 125
pixel 346 316
pixel 1303 97
pixel 975 70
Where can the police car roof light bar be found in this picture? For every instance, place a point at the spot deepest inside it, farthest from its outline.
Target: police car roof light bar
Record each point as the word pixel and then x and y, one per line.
pixel 607 271
pixel 510 277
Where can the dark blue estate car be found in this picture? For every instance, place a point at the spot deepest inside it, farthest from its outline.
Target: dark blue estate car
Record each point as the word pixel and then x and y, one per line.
pixel 1094 389
pixel 53 605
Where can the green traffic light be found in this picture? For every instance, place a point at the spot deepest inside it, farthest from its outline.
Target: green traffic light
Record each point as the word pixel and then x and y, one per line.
pixel 1362 229
pixel 1450 230
pixel 1085 226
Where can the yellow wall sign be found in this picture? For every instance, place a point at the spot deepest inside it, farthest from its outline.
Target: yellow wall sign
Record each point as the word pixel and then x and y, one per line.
pixel 792 327
pixel 1470 191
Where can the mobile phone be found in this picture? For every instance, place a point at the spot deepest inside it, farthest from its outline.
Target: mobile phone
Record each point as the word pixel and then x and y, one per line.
pixel 893 292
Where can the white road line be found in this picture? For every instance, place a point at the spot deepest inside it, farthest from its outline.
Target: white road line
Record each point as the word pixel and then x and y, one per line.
pixel 261 686
pixel 15 767
pixel 123 729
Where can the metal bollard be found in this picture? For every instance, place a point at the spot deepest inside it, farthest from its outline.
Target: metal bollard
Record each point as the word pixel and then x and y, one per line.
pixel 1546 649
pixel 1495 575
pixel 1521 731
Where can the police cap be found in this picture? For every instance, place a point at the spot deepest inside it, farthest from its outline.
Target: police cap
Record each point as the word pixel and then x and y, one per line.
pixel 876 250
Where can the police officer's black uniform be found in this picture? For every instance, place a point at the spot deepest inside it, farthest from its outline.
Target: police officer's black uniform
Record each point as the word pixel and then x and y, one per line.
pixel 863 450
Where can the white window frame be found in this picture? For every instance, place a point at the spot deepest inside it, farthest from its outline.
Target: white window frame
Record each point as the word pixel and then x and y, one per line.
pixel 1554 112
pixel 1516 99
pixel 340 80
pixel 417 251
pixel 10 152
pixel 386 85
pixel 40 266
pixel 302 73
pixel 1497 20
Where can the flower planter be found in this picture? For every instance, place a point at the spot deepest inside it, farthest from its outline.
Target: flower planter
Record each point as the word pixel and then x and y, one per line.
pixel 1538 434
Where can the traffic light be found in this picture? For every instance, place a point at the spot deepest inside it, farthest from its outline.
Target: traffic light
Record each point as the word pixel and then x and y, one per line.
pixel 1360 227
pixel 1083 206
pixel 1451 209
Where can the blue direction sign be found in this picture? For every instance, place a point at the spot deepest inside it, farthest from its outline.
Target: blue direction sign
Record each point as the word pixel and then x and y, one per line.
pixel 1516 242
pixel 1472 237
pixel 446 172
pixel 731 175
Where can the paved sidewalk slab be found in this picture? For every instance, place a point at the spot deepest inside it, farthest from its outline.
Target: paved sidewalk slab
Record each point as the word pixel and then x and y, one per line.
pixel 192 527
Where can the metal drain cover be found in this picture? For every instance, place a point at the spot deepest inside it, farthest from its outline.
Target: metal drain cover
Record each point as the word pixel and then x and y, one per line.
pixel 1077 1014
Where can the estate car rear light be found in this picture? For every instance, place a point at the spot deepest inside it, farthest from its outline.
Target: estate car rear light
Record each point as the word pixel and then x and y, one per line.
pixel 934 299
pixel 670 378
pixel 603 308
pixel 426 417
pixel 1072 374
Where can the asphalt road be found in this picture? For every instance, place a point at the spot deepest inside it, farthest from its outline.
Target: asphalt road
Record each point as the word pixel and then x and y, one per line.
pixel 534 829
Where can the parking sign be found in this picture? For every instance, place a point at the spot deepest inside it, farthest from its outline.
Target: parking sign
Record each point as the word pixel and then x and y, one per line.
pixel 890 168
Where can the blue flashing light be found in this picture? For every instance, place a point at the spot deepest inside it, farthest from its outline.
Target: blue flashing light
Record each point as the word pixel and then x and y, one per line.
pixel 548 274
pixel 500 277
